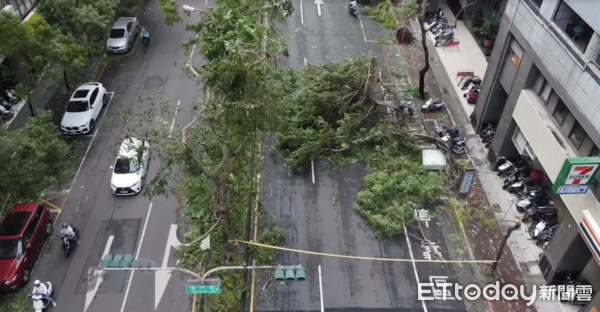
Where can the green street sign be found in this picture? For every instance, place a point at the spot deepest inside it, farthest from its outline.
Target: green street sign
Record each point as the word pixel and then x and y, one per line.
pixel 203 289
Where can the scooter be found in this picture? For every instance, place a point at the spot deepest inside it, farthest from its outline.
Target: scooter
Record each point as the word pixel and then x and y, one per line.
pixel 67 247
pixel 352 11
pixel 527 203
pixel 433 105
pixel 504 164
pixel 446 133
pixel 537 228
pixel 39 301
pixel 471 82
pixel 473 95
pixel 446 34
pixel 539 214
pixel 460 148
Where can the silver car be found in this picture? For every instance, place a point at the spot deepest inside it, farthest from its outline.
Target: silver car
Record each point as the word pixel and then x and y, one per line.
pixel 122 35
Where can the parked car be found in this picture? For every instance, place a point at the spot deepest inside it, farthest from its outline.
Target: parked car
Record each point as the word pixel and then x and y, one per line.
pixel 122 35
pixel 130 167
pixel 83 109
pixel 23 233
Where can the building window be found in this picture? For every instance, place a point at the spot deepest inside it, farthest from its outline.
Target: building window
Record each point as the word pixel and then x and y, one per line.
pixel 573 26
pixel 516 52
pixel 595 151
pixel 538 3
pixel 539 83
pixel 561 112
pixel 545 93
pixel 577 134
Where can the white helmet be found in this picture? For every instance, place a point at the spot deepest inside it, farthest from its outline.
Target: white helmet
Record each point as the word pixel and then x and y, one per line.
pixel 36 283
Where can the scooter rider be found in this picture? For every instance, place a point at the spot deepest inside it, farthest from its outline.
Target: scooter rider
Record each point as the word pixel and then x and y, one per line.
pixel 353 5
pixel 40 288
pixel 68 232
pixel 145 35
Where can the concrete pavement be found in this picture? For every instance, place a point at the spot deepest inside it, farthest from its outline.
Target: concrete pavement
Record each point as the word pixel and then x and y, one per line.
pixel 137 225
pixel 302 203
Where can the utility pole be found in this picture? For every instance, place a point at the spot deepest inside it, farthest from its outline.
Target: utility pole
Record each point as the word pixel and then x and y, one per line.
pixel 503 243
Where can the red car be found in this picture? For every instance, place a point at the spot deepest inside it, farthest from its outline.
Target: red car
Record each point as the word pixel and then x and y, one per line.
pixel 23 233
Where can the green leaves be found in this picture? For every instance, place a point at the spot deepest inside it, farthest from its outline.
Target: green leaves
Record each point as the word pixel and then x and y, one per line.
pixel 85 20
pixel 34 159
pixel 395 187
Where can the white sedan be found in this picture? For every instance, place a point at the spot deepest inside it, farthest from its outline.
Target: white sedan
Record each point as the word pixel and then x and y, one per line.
pixel 130 167
pixel 83 109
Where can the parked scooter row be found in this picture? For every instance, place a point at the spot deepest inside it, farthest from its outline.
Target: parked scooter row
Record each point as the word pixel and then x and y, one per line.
pixel 7 101
pixel 439 26
pixel 451 135
pixel 471 88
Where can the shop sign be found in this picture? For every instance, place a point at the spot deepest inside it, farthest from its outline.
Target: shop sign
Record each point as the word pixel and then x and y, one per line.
pixel 576 175
pixel 466 182
pixel 590 232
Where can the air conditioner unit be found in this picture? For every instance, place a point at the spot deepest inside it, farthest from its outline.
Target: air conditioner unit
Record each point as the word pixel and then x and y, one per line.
pixel 11 9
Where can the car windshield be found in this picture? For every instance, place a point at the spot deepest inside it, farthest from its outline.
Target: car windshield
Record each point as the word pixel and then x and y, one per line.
pixel 10 248
pixel 117 33
pixel 77 106
pixel 126 165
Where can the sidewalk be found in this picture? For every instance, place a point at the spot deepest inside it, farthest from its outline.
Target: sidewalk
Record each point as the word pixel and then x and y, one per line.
pixel 518 264
pixel 50 94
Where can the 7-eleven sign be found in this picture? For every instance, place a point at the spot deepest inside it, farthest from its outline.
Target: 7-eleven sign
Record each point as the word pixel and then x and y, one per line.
pixel 580 174
pixel 580 171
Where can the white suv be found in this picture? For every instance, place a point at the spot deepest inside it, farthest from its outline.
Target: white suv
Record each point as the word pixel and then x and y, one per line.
pixel 130 167
pixel 83 109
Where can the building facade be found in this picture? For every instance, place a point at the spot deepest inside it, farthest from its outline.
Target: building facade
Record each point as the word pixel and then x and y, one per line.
pixel 542 88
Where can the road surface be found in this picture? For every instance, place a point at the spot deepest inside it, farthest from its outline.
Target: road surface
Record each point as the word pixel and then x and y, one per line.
pixel 126 225
pixel 302 204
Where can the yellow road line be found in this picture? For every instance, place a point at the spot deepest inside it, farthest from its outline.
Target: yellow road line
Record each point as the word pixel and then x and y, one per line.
pixel 256 213
pixel 360 257
pixel 103 68
pixel 464 234
pixel 43 201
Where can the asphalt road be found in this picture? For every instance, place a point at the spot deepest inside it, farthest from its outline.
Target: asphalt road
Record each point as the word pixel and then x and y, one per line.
pixel 137 225
pixel 314 221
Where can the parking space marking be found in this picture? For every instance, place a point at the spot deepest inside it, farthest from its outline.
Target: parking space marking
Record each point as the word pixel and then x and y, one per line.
pixel 321 289
pixel 112 95
pixel 363 31
pixel 413 264
pixel 135 42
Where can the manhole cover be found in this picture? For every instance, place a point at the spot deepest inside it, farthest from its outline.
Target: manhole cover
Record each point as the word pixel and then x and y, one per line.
pixel 497 207
pixel 153 82
pixel 445 91
pixel 524 267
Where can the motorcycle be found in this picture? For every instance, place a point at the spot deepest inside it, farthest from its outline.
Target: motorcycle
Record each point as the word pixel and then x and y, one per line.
pixel 446 34
pixel 539 214
pixel 527 203
pixel 504 164
pixel 433 105
pixel 440 27
pixel 352 11
pixel 537 228
pixel 473 95
pixel 460 148
pixel 573 300
pixel 473 81
pixel 39 300
pixel 67 245
pixel 446 133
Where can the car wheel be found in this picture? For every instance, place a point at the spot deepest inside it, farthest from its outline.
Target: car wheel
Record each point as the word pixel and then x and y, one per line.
pixel 92 126
pixel 26 275
pixel 49 228
pixel 129 46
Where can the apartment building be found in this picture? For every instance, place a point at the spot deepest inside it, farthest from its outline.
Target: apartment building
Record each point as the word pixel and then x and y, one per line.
pixel 542 88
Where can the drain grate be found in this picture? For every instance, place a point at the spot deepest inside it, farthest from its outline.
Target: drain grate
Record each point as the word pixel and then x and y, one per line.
pixel 524 267
pixel 445 91
pixel 497 207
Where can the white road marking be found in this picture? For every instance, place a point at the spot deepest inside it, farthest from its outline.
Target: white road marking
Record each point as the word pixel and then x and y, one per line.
pixel 137 254
pixel 174 118
pixel 162 277
pixel 305 62
pixel 312 169
pixel 363 31
pixel 89 296
pixel 205 3
pixel 301 12
pixel 413 264
pixel 112 95
pixel 318 3
pixel 321 289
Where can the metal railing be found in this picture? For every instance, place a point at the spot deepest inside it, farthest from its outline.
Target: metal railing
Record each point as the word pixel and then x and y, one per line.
pixel 558 34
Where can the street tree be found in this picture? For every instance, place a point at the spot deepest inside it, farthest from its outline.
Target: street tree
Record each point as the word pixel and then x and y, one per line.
pixel 37 45
pixel 85 20
pixel 35 158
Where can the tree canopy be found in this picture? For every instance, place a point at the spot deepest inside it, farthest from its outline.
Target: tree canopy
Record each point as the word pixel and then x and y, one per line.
pixel 37 44
pixel 85 20
pixel 34 158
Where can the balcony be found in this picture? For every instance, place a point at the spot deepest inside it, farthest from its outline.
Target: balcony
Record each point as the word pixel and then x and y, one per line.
pixel 573 26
